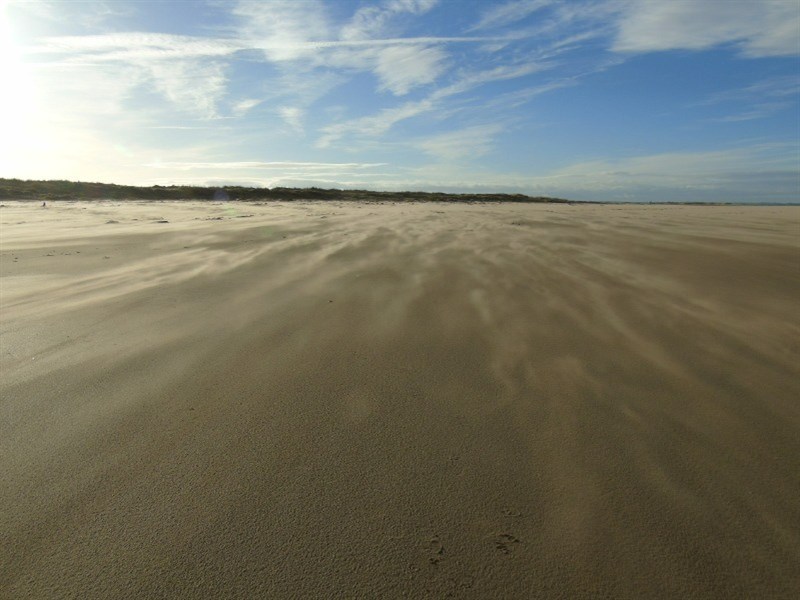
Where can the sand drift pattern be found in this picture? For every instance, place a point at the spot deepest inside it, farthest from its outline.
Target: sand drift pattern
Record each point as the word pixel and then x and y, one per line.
pixel 360 400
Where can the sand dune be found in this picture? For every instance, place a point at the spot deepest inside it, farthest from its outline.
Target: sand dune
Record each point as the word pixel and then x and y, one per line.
pixel 344 400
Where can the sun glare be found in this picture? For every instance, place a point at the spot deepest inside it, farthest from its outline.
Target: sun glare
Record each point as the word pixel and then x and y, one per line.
pixel 18 100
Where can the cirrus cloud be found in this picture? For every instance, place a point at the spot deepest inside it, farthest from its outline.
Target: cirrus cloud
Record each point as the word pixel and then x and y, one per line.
pixel 759 27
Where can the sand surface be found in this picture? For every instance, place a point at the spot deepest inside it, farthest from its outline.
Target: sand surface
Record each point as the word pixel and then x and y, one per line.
pixel 307 400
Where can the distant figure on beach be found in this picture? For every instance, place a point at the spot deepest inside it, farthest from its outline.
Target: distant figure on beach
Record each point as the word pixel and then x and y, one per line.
pixel 44 204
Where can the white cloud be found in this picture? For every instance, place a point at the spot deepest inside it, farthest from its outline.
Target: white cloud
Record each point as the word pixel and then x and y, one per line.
pixel 475 79
pixel 87 13
pixel 261 173
pixel 560 26
pixel 765 171
pixel 758 100
pixel 374 125
pixel 759 27
pixel 402 68
pixel 186 127
pixel 183 69
pixel 761 111
pixel 298 87
pixel 437 101
pixel 509 12
pixel 185 166
pixel 469 142
pixel 135 46
pixel 371 21
pixel 283 29
pixel 681 170
pixel 292 116
pixel 285 33
pixel 37 8
pixel 383 121
pixel 289 45
pixel 244 106
pixel 774 87
pixel 521 97
pixel 191 86
pixel 400 41
pixel 311 56
pixel 740 174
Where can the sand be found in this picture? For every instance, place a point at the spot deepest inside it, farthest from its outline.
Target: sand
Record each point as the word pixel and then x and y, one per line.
pixel 307 400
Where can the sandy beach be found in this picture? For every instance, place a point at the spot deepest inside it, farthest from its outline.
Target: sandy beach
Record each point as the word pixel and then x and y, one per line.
pixel 334 400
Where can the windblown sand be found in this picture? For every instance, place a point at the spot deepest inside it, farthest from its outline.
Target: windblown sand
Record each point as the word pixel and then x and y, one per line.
pixel 316 400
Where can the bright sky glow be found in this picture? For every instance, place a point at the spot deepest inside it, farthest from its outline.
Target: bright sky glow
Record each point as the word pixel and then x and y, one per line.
pixel 584 99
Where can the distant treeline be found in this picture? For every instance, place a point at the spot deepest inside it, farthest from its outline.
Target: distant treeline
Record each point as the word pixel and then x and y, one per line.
pixel 18 189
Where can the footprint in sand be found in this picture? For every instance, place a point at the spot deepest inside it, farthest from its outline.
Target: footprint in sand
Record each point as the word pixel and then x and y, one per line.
pixel 505 543
pixel 436 550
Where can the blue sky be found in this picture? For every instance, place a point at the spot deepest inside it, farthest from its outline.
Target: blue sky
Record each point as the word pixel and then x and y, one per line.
pixel 596 99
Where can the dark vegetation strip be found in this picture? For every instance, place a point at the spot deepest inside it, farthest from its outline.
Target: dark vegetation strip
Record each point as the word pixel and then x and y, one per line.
pixel 18 189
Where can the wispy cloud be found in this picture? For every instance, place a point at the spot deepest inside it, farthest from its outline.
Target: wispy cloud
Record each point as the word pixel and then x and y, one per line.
pixel 368 42
pixel 759 100
pixel 383 121
pixel 184 127
pixel 761 111
pixel 470 142
pixel 135 46
pixel 285 32
pixel 758 27
pixel 197 87
pixel 242 107
pixel 718 170
pixel 372 21
pixel 410 82
pixel 508 13
pixel 185 166
pixel 292 116
pixel 89 14
pixel 263 173
pixel 474 79
pixel 742 174
pixel 139 45
pixel 376 124
pixel 401 68
pixel 300 88
pixel 185 70
pixel 282 29
pixel 772 88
